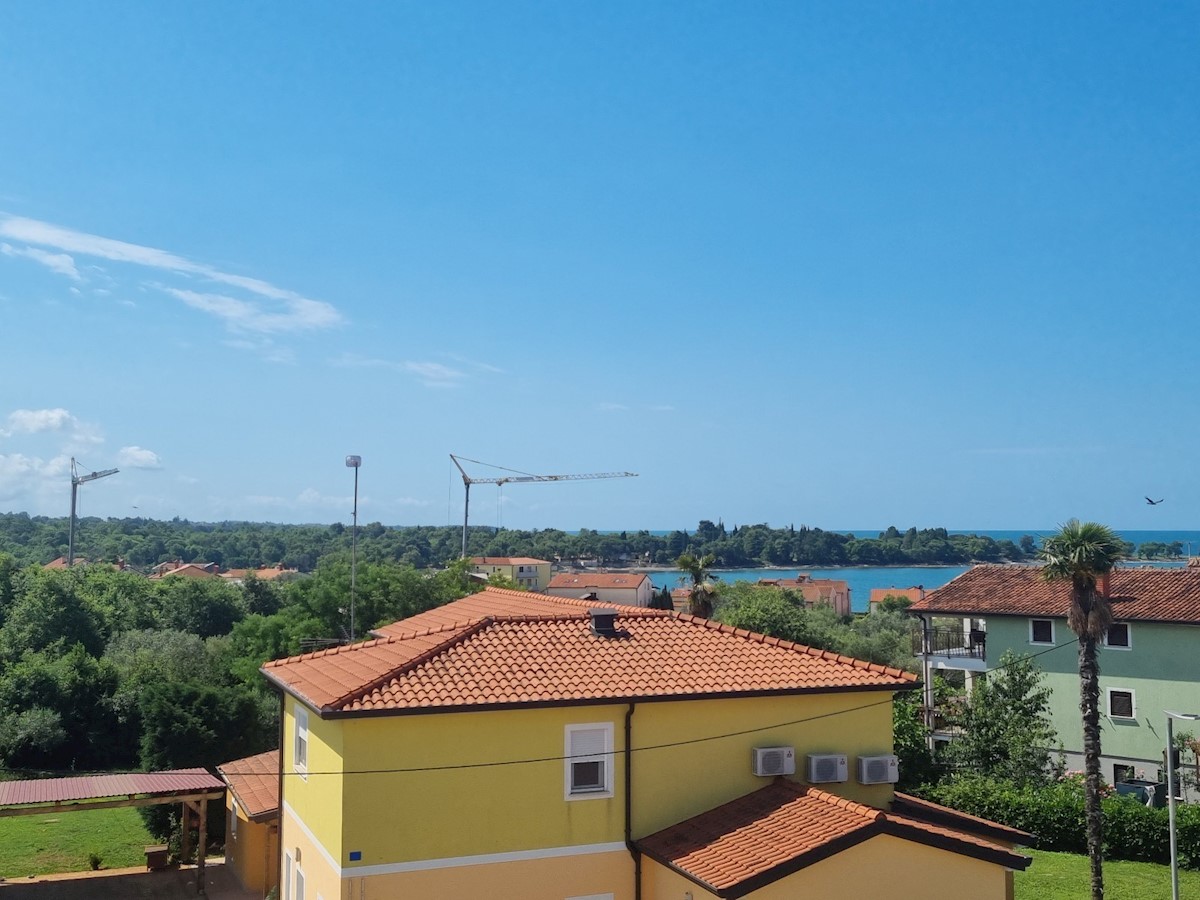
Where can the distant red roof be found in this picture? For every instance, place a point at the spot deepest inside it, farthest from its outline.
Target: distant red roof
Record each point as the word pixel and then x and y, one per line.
pixel 61 562
pixel 98 787
pixel 491 601
pixel 255 784
pixel 878 595
pixel 597 580
pixel 756 840
pixel 508 561
pixel 1147 594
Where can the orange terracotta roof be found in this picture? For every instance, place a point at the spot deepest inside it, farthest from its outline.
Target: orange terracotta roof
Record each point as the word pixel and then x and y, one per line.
pixel 491 601
pixel 267 573
pixel 189 570
pixel 593 580
pixel 916 807
pixel 508 561
pixel 914 594
pixel 556 659
pixel 756 840
pixel 255 784
pixel 1136 594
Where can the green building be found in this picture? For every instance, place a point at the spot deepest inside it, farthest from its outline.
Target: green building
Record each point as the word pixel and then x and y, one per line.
pixel 1149 661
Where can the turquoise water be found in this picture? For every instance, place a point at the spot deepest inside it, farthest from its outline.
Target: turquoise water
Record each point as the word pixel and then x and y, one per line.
pixel 860 579
pixel 1136 537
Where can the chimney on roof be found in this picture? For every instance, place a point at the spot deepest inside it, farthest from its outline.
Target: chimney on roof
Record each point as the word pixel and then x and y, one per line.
pixel 604 622
pixel 1105 584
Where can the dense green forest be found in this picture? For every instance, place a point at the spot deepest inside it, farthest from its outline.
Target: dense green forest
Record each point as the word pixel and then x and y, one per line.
pixel 144 542
pixel 103 669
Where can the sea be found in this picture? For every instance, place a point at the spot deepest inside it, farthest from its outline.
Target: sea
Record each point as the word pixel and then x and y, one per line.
pixel 862 579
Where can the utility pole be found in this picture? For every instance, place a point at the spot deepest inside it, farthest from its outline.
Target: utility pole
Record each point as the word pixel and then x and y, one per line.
pixel 355 463
pixel 76 481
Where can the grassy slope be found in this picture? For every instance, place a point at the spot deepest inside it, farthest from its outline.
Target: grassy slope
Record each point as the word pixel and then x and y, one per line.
pixel 1065 876
pixel 61 842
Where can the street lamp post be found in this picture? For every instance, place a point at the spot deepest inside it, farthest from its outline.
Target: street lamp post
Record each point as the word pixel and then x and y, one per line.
pixel 353 462
pixel 1171 717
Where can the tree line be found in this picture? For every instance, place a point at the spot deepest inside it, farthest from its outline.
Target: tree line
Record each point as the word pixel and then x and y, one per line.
pixel 142 543
pixel 104 670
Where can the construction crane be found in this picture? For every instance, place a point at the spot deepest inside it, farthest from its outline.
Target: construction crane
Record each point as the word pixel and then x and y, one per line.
pixel 517 477
pixel 76 481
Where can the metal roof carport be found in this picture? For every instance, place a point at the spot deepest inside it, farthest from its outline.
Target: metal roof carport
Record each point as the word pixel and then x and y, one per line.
pixel 190 787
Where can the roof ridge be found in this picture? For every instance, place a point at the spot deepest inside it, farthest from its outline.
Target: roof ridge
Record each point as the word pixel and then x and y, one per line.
pixel 461 635
pixel 867 812
pixel 803 648
pixel 361 645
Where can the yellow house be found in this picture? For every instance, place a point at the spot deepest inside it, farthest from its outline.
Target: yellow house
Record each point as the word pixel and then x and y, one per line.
pixel 252 820
pixel 521 747
pixel 528 573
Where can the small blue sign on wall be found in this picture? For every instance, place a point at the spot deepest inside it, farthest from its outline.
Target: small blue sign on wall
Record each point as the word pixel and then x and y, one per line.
pixel 355 855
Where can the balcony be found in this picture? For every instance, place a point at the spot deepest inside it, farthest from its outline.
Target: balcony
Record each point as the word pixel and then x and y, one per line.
pixel 952 642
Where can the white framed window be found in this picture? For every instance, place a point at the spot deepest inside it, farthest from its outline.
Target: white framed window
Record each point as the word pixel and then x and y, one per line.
pixel 289 864
pixel 1119 636
pixel 1041 631
pixel 588 769
pixel 1122 703
pixel 299 892
pixel 300 741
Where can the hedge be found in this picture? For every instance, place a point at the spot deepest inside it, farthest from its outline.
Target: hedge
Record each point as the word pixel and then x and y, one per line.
pixel 1054 815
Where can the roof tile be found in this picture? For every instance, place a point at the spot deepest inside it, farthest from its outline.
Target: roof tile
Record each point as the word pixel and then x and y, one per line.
pixel 553 656
pixel 1144 593
pixel 255 783
pixel 784 826
pixel 596 580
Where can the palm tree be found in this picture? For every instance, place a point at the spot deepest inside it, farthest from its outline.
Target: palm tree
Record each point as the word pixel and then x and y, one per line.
pixel 1083 553
pixel 703 589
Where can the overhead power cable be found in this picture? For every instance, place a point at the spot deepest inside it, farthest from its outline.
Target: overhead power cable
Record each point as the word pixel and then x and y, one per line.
pixel 490 764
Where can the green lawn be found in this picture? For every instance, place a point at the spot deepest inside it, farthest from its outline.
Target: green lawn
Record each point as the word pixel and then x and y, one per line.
pixel 1065 876
pixel 61 842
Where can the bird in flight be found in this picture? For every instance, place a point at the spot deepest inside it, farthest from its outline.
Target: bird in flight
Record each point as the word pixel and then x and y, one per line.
pixel 1155 502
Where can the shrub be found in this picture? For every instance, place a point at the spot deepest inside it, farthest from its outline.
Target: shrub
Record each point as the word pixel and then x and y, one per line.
pixel 1054 815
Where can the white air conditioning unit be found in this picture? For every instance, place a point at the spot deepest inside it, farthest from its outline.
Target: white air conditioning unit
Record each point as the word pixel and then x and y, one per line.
pixel 878 770
pixel 824 768
pixel 774 761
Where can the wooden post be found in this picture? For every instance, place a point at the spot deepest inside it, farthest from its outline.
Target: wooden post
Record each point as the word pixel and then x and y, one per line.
pixel 203 832
pixel 185 840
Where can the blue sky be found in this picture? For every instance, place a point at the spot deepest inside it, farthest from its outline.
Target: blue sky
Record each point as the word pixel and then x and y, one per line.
pixel 841 264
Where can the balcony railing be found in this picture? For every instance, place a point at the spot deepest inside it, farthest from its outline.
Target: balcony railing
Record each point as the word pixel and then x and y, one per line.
pixel 951 642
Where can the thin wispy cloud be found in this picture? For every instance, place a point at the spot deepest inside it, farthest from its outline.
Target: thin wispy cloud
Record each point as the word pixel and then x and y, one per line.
pixel 476 364
pixel 313 497
pixel 1033 451
pixel 431 374
pixel 243 315
pixel 55 262
pixel 612 407
pixel 267 308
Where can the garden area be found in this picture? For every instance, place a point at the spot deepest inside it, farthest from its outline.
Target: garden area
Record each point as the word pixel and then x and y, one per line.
pixel 70 842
